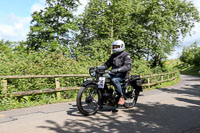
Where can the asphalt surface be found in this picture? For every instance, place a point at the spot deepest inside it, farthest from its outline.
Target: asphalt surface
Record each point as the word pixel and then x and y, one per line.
pixel 174 109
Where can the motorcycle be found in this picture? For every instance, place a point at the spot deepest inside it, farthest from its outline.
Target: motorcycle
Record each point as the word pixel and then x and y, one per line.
pixel 98 90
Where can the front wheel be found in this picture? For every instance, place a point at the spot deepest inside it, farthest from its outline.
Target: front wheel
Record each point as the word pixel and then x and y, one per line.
pixel 131 97
pixel 88 100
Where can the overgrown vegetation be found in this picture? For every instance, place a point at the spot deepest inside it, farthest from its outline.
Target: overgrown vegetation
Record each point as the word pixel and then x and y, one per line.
pixel 189 70
pixel 190 59
pixel 191 55
pixel 52 63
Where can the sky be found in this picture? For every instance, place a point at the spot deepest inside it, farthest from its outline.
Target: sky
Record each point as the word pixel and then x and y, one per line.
pixel 15 17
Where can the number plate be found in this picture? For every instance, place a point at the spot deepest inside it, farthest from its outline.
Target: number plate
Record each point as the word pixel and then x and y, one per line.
pixel 101 82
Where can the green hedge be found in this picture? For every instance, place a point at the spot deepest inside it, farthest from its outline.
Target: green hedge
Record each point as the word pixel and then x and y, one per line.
pixel 50 63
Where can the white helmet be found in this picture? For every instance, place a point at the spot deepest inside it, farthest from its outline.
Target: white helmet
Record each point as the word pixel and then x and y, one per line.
pixel 119 43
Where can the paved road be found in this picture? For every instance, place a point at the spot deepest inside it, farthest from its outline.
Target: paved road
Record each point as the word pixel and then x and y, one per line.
pixel 174 109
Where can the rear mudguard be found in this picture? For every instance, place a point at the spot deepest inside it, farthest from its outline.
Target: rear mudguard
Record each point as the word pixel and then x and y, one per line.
pixel 136 82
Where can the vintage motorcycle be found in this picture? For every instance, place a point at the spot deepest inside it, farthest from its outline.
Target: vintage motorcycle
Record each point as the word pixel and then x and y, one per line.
pixel 98 90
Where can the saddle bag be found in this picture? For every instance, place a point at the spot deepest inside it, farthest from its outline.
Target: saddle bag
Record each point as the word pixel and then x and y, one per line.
pixel 136 82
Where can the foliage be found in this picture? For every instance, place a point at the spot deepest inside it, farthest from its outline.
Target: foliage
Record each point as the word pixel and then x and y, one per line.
pixel 171 65
pixel 38 63
pixel 190 60
pixel 191 55
pixel 5 47
pixel 96 50
pixel 188 69
pixel 49 63
pixel 53 63
pixel 52 27
pixel 150 28
pixel 141 67
pixel 27 101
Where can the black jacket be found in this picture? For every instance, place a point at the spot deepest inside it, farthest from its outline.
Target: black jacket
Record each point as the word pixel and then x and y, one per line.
pixel 121 61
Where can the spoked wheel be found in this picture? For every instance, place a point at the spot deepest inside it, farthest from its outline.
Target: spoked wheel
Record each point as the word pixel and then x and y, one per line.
pixel 88 100
pixel 132 97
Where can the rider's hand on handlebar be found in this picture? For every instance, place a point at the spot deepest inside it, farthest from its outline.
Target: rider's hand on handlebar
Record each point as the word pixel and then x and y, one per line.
pixel 101 67
pixel 114 70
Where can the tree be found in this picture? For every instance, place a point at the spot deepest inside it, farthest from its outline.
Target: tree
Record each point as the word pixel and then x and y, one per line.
pixel 191 55
pixel 52 27
pixel 5 47
pixel 150 28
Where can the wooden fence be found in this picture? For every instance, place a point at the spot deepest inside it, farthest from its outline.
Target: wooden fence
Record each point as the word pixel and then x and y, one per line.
pixel 150 81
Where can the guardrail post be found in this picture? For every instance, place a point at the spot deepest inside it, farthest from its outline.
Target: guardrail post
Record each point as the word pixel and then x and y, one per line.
pixel 176 73
pixel 161 79
pixel 57 87
pixel 4 85
pixel 148 81
pixel 171 76
pixel 174 76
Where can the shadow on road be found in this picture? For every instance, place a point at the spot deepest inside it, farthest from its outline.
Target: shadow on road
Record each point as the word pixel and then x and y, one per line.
pixel 142 119
pixel 188 90
pixel 73 111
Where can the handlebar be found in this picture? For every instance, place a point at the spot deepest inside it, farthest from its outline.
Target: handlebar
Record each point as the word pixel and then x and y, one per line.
pixel 100 69
pixel 107 71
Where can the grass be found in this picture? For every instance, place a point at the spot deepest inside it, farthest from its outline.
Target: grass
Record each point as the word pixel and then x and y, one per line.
pixel 165 84
pixel 189 70
pixel 183 68
pixel 8 104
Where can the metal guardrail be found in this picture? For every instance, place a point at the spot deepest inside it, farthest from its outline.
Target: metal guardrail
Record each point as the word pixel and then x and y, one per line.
pixel 164 77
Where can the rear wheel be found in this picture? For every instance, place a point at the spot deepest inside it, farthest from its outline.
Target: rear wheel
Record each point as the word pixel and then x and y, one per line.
pixel 88 100
pixel 131 96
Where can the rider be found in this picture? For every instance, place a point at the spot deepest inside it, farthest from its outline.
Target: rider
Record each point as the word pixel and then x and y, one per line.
pixel 120 61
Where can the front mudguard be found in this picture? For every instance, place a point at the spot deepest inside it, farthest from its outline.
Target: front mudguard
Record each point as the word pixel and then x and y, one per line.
pixel 86 83
pixel 90 82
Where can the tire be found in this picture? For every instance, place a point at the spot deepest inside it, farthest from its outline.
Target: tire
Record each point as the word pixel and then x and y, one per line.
pixel 132 97
pixel 88 100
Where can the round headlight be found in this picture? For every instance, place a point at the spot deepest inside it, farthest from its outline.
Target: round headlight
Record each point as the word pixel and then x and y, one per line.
pixel 92 72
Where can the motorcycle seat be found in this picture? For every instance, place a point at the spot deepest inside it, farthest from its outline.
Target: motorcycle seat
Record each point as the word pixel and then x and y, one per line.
pixel 125 80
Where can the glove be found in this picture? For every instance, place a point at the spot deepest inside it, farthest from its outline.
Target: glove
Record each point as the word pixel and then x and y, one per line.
pixel 114 70
pixel 101 67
